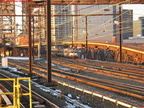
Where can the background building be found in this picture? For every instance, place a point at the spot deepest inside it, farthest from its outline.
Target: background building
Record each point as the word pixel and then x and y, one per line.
pixel 63 24
pixel 139 27
pixel 127 23
pixel 99 26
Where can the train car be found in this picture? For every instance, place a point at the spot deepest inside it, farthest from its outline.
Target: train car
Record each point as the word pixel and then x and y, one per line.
pixel 66 52
pixel 71 53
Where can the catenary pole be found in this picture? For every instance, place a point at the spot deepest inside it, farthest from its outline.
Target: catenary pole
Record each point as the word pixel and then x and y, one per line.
pixel 120 34
pixel 48 40
pixel 86 24
pixel 30 39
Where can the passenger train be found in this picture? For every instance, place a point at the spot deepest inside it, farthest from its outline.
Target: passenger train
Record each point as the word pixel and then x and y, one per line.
pixel 66 52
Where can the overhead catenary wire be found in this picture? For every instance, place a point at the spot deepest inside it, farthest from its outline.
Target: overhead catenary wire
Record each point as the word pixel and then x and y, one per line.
pixel 66 22
pixel 107 24
pixel 91 29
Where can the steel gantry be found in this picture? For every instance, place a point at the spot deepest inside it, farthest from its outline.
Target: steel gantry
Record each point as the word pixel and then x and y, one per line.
pixel 37 21
pixel 92 2
pixel 7 24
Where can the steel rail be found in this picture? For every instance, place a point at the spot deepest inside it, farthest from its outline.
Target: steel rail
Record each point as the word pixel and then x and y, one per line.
pixel 76 103
pixel 95 69
pixel 98 95
pixel 112 65
pixel 82 66
pixel 5 76
pixel 72 76
pixel 35 95
pixel 39 97
pixel 6 99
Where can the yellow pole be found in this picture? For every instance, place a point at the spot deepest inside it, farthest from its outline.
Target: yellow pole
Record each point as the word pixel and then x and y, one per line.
pixel 18 94
pixel 0 101
pixel 15 95
pixel 30 93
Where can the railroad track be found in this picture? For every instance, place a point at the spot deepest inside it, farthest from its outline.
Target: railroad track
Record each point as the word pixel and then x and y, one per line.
pixel 6 100
pixel 122 88
pixel 131 72
pixel 60 97
pixel 24 100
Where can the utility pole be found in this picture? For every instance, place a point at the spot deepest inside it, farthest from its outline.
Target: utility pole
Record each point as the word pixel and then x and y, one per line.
pixel 86 24
pixel 120 35
pixel 76 27
pixel 72 36
pixel 4 46
pixel 30 39
pixel 33 39
pixel 48 3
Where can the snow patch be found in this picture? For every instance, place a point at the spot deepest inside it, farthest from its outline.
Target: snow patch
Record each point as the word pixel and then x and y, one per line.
pixel 65 69
pixel 53 64
pixel 13 69
pixel 69 95
pixel 22 58
pixel 18 58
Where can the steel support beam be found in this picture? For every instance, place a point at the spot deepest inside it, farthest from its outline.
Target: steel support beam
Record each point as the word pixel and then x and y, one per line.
pixel 30 40
pixel 86 24
pixel 90 2
pixel 120 34
pixel 4 45
pixel 48 40
pixel 72 36
pixel 62 15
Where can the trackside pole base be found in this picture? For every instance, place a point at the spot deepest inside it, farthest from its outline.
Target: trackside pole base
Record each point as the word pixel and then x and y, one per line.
pixel 50 84
pixel 29 74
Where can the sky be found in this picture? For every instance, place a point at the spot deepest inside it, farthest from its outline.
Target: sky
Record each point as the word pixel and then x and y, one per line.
pixel 138 10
